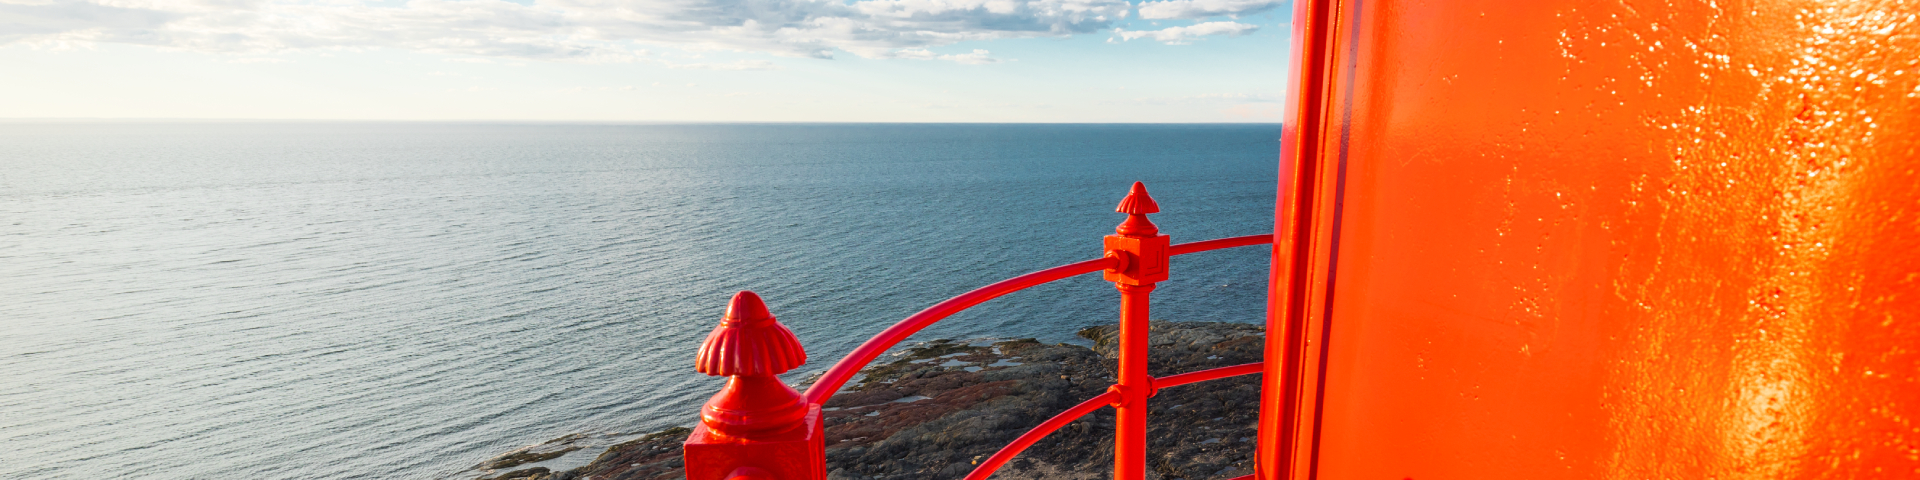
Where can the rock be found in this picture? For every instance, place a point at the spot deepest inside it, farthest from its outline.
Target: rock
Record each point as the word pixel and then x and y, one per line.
pixel 942 407
pixel 653 456
pixel 535 473
pixel 551 454
pixel 525 457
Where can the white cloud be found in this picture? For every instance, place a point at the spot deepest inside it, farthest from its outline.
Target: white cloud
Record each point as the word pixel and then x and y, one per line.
pixel 573 30
pixel 1197 9
pixel 1254 110
pixel 19 20
pixel 739 65
pixel 977 57
pixel 1215 98
pixel 1234 97
pixel 913 54
pixel 1185 35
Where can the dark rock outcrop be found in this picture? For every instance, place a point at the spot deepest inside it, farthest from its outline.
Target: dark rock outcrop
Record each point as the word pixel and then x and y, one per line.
pixel 654 456
pixel 942 407
pixel 521 458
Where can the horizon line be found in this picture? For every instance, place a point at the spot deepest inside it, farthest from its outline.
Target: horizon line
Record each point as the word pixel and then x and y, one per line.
pixel 628 122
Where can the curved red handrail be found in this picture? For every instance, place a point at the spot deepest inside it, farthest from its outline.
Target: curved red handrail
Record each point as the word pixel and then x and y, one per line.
pixel 840 373
pixel 1205 375
pixel 837 376
pixel 1219 243
pixel 1007 453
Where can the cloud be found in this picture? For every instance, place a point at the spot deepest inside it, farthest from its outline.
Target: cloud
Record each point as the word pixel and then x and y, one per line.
pixel 1233 105
pixel 1197 9
pixel 739 65
pixel 913 54
pixel 977 57
pixel 1232 97
pixel 24 20
pixel 1254 110
pixel 1215 98
pixel 567 30
pixel 1185 35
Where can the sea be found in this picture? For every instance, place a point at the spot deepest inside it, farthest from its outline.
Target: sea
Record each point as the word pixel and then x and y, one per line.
pixel 321 300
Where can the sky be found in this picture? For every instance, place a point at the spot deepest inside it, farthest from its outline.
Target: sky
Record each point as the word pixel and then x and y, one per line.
pixel 646 60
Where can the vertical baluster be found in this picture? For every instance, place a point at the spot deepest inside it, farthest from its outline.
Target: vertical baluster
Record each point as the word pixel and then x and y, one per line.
pixel 756 428
pixel 1139 254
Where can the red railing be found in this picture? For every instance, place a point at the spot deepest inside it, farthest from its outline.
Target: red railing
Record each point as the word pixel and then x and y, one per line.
pixel 758 428
pixel 1007 453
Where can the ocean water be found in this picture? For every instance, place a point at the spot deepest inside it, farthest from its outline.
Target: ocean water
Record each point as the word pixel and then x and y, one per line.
pixel 402 300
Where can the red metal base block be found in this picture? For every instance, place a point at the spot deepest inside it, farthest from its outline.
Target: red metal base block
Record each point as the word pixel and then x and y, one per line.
pixel 797 455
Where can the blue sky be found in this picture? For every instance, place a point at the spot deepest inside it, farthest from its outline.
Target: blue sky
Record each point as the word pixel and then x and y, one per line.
pixel 646 60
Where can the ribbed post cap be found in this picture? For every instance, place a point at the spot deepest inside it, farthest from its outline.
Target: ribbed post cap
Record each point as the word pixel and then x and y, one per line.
pixel 749 342
pixel 1137 205
pixel 1138 202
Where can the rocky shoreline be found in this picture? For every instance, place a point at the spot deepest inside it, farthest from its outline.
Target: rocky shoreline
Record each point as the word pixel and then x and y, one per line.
pixel 942 406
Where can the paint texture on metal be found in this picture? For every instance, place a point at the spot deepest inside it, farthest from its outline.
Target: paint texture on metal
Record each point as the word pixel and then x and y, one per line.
pixel 1287 413
pixel 837 376
pixel 1140 261
pixel 1598 239
pixel 756 427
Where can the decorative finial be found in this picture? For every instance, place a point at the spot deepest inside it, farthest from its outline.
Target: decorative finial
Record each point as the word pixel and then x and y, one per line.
pixel 750 347
pixel 1137 205
pixel 749 342
pixel 1137 201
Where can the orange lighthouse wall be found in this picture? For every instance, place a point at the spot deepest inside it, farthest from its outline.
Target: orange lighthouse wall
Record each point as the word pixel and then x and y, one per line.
pixel 1600 239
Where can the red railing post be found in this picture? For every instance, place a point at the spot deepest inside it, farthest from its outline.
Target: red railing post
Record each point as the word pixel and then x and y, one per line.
pixel 1139 254
pixel 756 428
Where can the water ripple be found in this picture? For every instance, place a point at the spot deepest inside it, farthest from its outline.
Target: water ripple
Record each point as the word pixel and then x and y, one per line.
pixel 328 300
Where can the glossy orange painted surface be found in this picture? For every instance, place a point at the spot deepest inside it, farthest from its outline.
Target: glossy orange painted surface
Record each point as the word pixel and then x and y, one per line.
pixel 1288 407
pixel 1598 239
